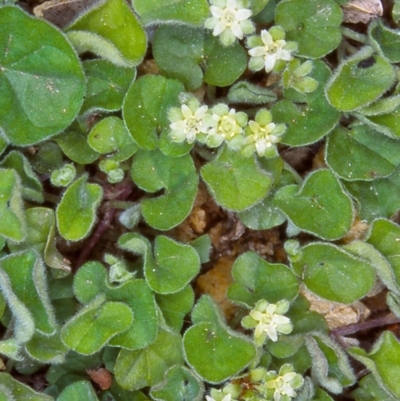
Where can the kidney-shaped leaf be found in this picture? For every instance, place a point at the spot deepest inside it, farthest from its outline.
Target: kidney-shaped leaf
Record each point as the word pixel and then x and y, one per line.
pixel 41 81
pixel 88 331
pixel 76 213
pixel 153 171
pixel 145 108
pixel 313 24
pixel 320 206
pixel 137 369
pixel 175 264
pixel 362 153
pixel 111 136
pixel 334 274
pixel 359 81
pixel 211 349
pixel 235 181
pixel 255 279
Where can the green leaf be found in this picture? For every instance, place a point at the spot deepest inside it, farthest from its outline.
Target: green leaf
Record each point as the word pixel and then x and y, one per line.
pixel 386 41
pixel 187 53
pixel 137 369
pixel 40 226
pixel 309 117
pixel 176 306
pixel 333 273
pixel 46 349
pixel 384 236
pixel 190 12
pixel 359 80
pixel 383 361
pixel 23 324
pixel 12 216
pixel 248 93
pixel 106 85
pixel 313 24
pixel 203 246
pixel 255 279
pixel 138 296
pixel 214 351
pixel 361 153
pixel 378 256
pixel 263 215
pixel 78 391
pixel 174 266
pixel 387 123
pixel 110 30
pixel 48 157
pixel 179 384
pixel 76 213
pixel 330 367
pixel 178 52
pixel 88 331
pixel 223 65
pixel 73 143
pixel 153 171
pixel 41 80
pixel 145 108
pixel 377 198
pixel 236 182
pixel 111 136
pixel 19 390
pixel 320 206
pixel 28 283
pixel 31 186
pixel 90 281
pixel 370 390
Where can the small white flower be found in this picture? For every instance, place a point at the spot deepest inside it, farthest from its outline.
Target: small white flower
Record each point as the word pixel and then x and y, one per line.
pixel 262 135
pixel 268 321
pixel 230 20
pixel 284 383
pixel 267 50
pixel 226 125
pixel 187 122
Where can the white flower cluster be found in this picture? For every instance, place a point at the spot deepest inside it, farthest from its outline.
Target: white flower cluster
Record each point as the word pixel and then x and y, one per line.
pixel 195 122
pixel 268 320
pixel 230 20
pixel 269 50
pixel 261 385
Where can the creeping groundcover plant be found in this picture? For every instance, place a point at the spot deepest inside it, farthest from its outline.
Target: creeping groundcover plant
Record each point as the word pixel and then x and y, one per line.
pixel 199 200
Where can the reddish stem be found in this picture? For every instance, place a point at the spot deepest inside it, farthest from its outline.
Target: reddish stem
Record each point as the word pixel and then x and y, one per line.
pixel 371 324
pixel 123 191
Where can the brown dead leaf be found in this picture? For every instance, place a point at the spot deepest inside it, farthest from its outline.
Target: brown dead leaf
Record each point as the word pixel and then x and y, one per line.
pixel 362 11
pixel 101 376
pixel 62 12
pixel 336 314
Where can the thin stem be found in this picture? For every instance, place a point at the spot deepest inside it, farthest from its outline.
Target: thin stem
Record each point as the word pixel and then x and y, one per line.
pixel 124 190
pixel 358 37
pixel 371 324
